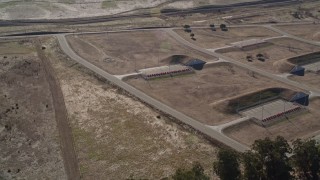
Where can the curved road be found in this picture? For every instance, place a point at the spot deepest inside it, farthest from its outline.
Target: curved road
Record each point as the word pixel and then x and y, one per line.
pixel 155 103
pixel 212 132
pixel 256 70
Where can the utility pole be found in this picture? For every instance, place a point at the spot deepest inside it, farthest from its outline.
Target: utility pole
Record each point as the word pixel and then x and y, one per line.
pixel 261 106
pixel 284 108
pixel 262 112
pixel 158 59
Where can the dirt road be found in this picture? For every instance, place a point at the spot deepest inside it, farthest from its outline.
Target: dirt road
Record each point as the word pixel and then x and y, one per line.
pixel 65 133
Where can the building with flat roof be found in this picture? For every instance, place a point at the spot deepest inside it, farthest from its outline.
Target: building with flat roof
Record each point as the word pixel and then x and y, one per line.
pixel 165 71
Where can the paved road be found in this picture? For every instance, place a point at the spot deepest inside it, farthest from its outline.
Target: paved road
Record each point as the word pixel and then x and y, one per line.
pixel 123 76
pixel 120 16
pixel 155 103
pixel 256 70
pixel 221 127
pixel 214 133
pixel 269 26
pixel 61 115
pixel 195 124
pixel 49 34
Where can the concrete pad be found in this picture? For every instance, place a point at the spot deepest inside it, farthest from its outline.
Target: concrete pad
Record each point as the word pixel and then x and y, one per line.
pixel 249 42
pixel 313 67
pixel 165 71
pixel 269 109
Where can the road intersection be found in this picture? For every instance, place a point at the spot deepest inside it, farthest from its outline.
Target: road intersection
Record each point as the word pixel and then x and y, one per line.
pixel 214 132
pixel 153 102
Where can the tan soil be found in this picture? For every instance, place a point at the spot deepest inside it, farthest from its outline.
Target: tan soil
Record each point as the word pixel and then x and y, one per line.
pixel 61 116
pixel 209 39
pixel 123 53
pixel 307 31
pixel 116 136
pixel 277 54
pixel 193 94
pixel 30 147
pixel 301 126
pixel 310 79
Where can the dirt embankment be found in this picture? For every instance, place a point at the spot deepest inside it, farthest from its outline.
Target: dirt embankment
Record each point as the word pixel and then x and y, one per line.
pixel 195 94
pixel 272 58
pixel 127 52
pixel 118 137
pixel 61 115
pixel 304 126
pixel 244 48
pixel 251 99
pixel 305 59
pixel 29 145
pixel 177 59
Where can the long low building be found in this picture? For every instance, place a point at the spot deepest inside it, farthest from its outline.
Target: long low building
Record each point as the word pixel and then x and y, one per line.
pixel 309 61
pixel 248 43
pixel 165 71
pixel 270 112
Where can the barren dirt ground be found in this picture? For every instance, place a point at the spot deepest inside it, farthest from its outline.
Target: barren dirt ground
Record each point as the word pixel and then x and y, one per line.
pixel 30 147
pixel 311 79
pixel 122 53
pixel 276 54
pixel 54 9
pixel 209 39
pixel 193 94
pixel 302 126
pixel 116 136
pixel 308 31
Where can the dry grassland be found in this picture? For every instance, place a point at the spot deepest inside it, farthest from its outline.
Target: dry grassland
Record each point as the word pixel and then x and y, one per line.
pixel 116 136
pixel 197 95
pixel 30 147
pixel 276 54
pixel 310 79
pixel 122 53
pixel 307 31
pixel 302 126
pixel 209 39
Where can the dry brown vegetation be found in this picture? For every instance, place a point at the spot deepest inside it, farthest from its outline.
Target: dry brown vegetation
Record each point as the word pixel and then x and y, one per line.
pixel 197 95
pixel 125 52
pixel 116 136
pixel 276 55
pixel 304 125
pixel 307 31
pixel 209 39
pixel 243 101
pixel 30 147
pixel 310 79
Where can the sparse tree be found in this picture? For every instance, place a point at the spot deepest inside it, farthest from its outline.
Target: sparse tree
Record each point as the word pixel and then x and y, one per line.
pixel 186 26
pixel 223 27
pixel 274 157
pixel 196 173
pixel 188 30
pixel 253 167
pixel 306 159
pixel 227 166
